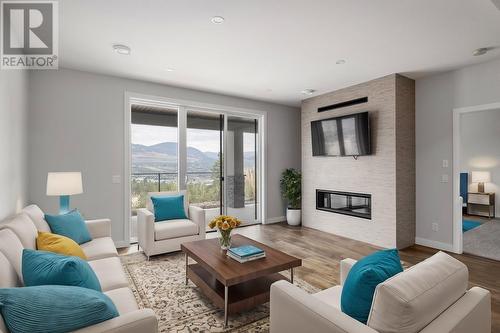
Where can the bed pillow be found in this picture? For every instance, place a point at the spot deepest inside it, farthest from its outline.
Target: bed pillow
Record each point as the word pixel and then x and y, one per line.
pixel 60 244
pixel 71 225
pixel 54 309
pixel 359 287
pixel 43 268
pixel 168 207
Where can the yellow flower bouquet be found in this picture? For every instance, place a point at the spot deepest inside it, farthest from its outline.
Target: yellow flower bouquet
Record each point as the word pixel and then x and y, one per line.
pixel 224 224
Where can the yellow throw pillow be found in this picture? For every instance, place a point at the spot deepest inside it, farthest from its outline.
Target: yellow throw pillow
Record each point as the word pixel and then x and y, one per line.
pixel 47 241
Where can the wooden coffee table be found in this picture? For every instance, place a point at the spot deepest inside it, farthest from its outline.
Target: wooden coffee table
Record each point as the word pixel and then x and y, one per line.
pixel 230 285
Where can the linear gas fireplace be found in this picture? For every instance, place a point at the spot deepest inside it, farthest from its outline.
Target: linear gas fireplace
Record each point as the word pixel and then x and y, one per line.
pixel 347 203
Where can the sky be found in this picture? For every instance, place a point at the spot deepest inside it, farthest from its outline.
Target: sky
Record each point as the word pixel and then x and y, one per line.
pixel 204 140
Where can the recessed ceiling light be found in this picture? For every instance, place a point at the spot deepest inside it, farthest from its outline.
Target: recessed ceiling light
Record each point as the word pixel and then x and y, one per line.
pixel 217 20
pixel 308 91
pixel 121 49
pixel 169 69
pixel 340 62
pixel 480 51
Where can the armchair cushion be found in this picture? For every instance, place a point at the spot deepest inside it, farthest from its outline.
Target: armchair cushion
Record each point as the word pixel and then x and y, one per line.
pixel 149 203
pixel 363 278
pixel 294 310
pixel 169 207
pixel 330 296
pixel 71 225
pixel 409 301
pixel 175 229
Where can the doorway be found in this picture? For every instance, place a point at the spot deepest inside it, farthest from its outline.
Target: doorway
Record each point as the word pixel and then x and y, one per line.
pixel 215 154
pixel 476 173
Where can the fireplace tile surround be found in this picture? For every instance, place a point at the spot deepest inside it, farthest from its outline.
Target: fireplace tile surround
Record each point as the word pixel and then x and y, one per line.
pixel 388 174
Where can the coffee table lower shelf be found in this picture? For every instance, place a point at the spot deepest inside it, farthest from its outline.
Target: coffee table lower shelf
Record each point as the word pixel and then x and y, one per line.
pixel 241 297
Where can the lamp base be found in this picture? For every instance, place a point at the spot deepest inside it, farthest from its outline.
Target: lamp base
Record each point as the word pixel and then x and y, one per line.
pixel 480 187
pixel 63 204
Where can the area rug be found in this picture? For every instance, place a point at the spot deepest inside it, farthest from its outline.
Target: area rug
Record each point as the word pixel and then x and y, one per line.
pixel 483 241
pixel 469 225
pixel 159 284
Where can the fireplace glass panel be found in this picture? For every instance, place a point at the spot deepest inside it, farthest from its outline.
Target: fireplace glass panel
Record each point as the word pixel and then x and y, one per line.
pixel 347 203
pixel 338 201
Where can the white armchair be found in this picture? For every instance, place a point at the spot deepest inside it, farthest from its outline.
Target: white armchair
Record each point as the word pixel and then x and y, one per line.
pixel 429 297
pixel 167 236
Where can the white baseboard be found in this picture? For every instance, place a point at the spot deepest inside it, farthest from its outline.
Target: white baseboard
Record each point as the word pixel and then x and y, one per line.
pixel 122 243
pixel 276 219
pixel 434 244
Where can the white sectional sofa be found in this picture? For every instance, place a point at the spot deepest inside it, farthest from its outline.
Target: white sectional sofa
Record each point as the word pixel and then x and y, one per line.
pixel 430 297
pixel 20 231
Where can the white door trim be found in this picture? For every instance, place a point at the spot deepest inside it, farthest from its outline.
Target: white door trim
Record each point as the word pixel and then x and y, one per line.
pixel 127 189
pixel 139 98
pixel 457 201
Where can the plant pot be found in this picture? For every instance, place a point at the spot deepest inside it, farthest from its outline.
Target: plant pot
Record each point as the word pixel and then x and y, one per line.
pixel 293 216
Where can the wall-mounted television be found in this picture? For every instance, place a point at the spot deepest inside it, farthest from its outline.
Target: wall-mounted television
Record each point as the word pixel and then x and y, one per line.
pixel 342 136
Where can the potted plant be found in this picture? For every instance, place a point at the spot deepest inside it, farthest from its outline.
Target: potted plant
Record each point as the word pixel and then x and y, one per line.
pixel 290 184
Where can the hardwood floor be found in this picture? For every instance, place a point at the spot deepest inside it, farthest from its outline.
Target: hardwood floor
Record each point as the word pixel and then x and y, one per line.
pixel 481 219
pixel 321 254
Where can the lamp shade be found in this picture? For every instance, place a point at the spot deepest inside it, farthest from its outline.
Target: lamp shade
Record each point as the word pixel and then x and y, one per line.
pixel 64 183
pixel 480 177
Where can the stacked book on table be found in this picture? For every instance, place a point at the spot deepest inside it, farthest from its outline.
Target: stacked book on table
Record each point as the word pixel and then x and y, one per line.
pixel 245 253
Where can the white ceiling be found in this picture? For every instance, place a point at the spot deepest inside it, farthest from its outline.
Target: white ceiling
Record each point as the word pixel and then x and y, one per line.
pixel 272 49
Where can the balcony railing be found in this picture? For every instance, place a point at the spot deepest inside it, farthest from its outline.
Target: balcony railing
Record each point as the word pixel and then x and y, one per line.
pixel 155 177
pixel 202 186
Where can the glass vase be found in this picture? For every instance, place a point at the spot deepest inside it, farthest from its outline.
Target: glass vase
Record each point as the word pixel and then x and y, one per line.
pixel 225 239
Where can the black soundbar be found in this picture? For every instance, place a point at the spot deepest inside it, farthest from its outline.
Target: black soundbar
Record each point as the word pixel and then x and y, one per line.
pixel 343 104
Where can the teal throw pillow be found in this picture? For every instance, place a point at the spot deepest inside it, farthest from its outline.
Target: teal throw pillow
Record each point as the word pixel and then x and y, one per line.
pixel 71 225
pixel 54 309
pixel 363 278
pixel 168 207
pixel 43 268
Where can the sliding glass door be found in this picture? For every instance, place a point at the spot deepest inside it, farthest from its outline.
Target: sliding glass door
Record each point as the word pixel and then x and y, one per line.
pixel 222 164
pixel 204 171
pixel 154 155
pixel 213 155
pixel 241 168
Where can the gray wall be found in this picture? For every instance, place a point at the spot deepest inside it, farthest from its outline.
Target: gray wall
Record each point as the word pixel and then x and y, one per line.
pixel 479 139
pixel 76 123
pixel 13 110
pixel 436 97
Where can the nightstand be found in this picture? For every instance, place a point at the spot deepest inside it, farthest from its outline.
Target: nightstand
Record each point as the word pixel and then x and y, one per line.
pixel 478 202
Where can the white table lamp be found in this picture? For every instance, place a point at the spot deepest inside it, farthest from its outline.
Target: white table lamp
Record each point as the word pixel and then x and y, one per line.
pixel 64 184
pixel 480 177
